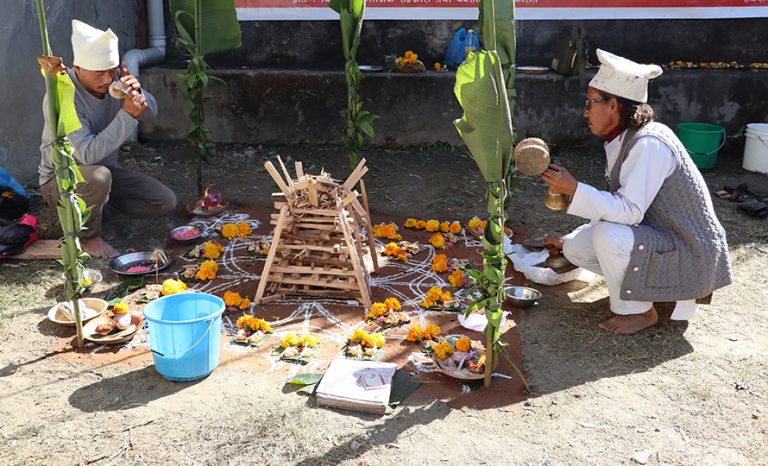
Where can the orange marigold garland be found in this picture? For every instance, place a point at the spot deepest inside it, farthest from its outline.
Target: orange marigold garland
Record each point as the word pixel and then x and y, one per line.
pixel 208 271
pixel 387 231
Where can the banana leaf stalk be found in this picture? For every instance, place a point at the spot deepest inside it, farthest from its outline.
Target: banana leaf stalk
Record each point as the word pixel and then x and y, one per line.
pixel 359 122
pixel 486 128
pixel 204 27
pixel 71 209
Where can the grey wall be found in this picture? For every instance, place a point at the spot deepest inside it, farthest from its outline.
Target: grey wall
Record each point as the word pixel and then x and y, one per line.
pixel 22 87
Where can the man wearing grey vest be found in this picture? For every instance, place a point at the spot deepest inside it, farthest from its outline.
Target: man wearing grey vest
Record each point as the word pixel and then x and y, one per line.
pixel 107 122
pixel 654 234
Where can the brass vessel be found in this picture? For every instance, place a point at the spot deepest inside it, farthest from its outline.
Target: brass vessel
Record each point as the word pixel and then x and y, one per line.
pixel 532 159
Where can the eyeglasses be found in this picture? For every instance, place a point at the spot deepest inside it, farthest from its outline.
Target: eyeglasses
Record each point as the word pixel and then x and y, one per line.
pixel 588 103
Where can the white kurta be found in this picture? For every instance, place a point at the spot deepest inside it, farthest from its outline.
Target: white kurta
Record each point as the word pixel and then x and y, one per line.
pixel 604 245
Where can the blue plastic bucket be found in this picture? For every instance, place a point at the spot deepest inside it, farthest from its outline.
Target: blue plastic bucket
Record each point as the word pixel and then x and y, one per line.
pixel 184 334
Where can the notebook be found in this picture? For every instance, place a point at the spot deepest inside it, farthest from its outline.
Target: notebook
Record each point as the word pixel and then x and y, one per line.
pixel 357 385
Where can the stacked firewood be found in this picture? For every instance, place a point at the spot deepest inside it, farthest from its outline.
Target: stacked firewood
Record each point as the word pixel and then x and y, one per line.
pixel 318 247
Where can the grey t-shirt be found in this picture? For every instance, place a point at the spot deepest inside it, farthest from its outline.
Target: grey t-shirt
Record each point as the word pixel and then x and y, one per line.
pixel 106 126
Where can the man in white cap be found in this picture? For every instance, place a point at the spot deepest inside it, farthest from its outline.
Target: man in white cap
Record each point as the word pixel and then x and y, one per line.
pixel 653 234
pixel 106 124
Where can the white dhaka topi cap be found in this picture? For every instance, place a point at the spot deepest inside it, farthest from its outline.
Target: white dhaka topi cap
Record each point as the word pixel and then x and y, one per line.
pixel 94 49
pixel 622 77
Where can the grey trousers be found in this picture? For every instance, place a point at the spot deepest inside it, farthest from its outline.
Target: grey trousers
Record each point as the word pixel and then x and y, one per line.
pixel 129 192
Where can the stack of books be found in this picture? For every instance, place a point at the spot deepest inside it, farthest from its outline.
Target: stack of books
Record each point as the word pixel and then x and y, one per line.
pixel 357 385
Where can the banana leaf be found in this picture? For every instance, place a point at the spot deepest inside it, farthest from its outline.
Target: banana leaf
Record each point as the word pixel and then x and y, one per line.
pixel 354 7
pixel 219 28
pixel 486 126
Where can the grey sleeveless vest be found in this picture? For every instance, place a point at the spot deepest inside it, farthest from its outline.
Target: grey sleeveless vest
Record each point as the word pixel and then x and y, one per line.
pixel 680 249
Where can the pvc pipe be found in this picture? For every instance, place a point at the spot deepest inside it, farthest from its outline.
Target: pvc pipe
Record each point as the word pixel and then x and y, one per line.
pixel 136 58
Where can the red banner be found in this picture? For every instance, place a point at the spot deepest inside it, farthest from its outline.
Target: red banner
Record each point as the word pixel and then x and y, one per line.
pixel 526 9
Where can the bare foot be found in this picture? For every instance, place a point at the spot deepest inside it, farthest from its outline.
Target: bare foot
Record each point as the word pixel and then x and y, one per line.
pixel 97 247
pixel 627 325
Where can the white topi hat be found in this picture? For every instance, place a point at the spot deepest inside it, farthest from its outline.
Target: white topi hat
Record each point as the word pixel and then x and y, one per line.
pixel 94 49
pixel 622 77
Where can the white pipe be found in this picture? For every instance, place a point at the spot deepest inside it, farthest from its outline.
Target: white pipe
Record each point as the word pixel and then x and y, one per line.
pixel 136 58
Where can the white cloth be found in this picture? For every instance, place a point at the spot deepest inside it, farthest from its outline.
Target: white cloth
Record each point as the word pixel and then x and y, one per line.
pixel 648 164
pixel 94 49
pixel 622 77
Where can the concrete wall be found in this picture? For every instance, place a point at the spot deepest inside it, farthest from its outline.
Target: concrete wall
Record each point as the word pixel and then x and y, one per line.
pixel 282 106
pixel 22 88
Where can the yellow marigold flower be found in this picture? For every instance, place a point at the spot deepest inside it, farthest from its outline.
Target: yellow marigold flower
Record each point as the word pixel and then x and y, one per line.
pixel 443 349
pixel 432 225
pixel 208 270
pixel 415 333
pixel 172 286
pixel 120 308
pixel 445 297
pixel 463 344
pixel 265 327
pixel 245 304
pixel 410 223
pixel 368 341
pixel 230 230
pixel 379 309
pixel 421 224
pixel 431 331
pixel 437 240
pixel 392 303
pixel 212 250
pixel 440 263
pixel 456 278
pixel 427 303
pixel 445 227
pixel 244 229
pixel 437 66
pixel 242 321
pixel 378 340
pixel 474 223
pixel 358 335
pixel 7 194
pixel 308 340
pixel 434 293
pixel 455 228
pixel 290 340
pixel 391 249
pixel 232 299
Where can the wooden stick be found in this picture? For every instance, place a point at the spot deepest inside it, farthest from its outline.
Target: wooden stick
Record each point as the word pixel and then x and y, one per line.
pixel 357 262
pixel 272 251
pixel 369 227
pixel 299 170
pixel 353 177
pixel 312 194
pixel 276 176
pixel 285 171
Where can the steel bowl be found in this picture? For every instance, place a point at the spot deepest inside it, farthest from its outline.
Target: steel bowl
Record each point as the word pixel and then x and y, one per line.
pixel 124 262
pixel 186 229
pixel 521 296
pixel 91 274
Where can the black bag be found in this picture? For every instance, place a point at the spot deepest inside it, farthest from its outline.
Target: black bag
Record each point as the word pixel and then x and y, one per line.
pixel 570 51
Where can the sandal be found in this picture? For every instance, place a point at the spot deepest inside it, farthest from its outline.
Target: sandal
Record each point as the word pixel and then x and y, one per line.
pixel 755 208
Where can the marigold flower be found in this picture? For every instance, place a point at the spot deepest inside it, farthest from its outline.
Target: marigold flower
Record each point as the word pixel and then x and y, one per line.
pixel 456 278
pixel 245 304
pixel 232 299
pixel 443 349
pixel 208 270
pixel 308 340
pixel 455 228
pixel 392 304
pixel 120 308
pixel 437 66
pixel 290 340
pixel 431 331
pixel 434 293
pixel 445 227
pixel 473 223
pixel 432 225
pixel 357 335
pixel 415 333
pixel 445 297
pixel 212 250
pixel 172 286
pixel 463 344
pixel 437 240
pixel 230 231
pixel 242 321
pixel 410 223
pixel 440 263
pixel 421 224
pixel 427 303
pixel 244 229
pixel 378 340
pixel 7 194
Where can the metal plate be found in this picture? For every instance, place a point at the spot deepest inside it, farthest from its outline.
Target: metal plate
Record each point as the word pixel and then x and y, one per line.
pixel 120 264
pixel 185 229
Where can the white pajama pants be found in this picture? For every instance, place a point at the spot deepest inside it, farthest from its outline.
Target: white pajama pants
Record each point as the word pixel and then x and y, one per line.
pixel 604 248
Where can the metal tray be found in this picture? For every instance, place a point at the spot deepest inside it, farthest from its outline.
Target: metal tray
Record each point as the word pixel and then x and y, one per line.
pixel 120 264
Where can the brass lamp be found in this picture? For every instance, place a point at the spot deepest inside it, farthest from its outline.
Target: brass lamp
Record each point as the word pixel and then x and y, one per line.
pixel 532 159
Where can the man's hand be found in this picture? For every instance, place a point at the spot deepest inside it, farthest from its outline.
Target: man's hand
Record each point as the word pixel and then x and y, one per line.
pixel 554 244
pixel 560 180
pixel 128 78
pixel 135 104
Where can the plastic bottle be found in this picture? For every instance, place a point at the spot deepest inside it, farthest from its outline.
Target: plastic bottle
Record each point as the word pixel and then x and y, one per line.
pixel 470 42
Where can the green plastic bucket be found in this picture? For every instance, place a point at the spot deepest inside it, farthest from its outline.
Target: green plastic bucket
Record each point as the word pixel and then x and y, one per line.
pixel 702 141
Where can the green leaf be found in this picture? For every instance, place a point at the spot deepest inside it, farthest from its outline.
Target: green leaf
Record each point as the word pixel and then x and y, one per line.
pixel 68 122
pixel 486 126
pixel 122 290
pixel 220 29
pixel 309 378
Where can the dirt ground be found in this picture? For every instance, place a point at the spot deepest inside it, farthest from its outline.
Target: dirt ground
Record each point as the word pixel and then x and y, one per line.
pixel 693 393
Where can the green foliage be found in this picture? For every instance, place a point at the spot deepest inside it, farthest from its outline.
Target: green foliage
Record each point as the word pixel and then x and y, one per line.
pixel 71 209
pixel 204 27
pixel 486 128
pixel 359 122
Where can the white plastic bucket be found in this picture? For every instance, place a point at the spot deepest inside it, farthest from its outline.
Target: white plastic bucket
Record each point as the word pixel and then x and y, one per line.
pixel 756 148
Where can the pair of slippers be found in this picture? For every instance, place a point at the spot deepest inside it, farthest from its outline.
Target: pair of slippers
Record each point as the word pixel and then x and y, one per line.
pixel 752 204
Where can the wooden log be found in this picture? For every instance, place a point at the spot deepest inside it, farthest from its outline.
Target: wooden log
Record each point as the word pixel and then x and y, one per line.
pixel 272 251
pixel 313 271
pixel 357 263
pixel 276 176
pixel 356 174
pixel 341 285
pixel 369 228
pixel 335 249
pixel 299 169
pixel 285 171
pixel 323 293
pixel 312 194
